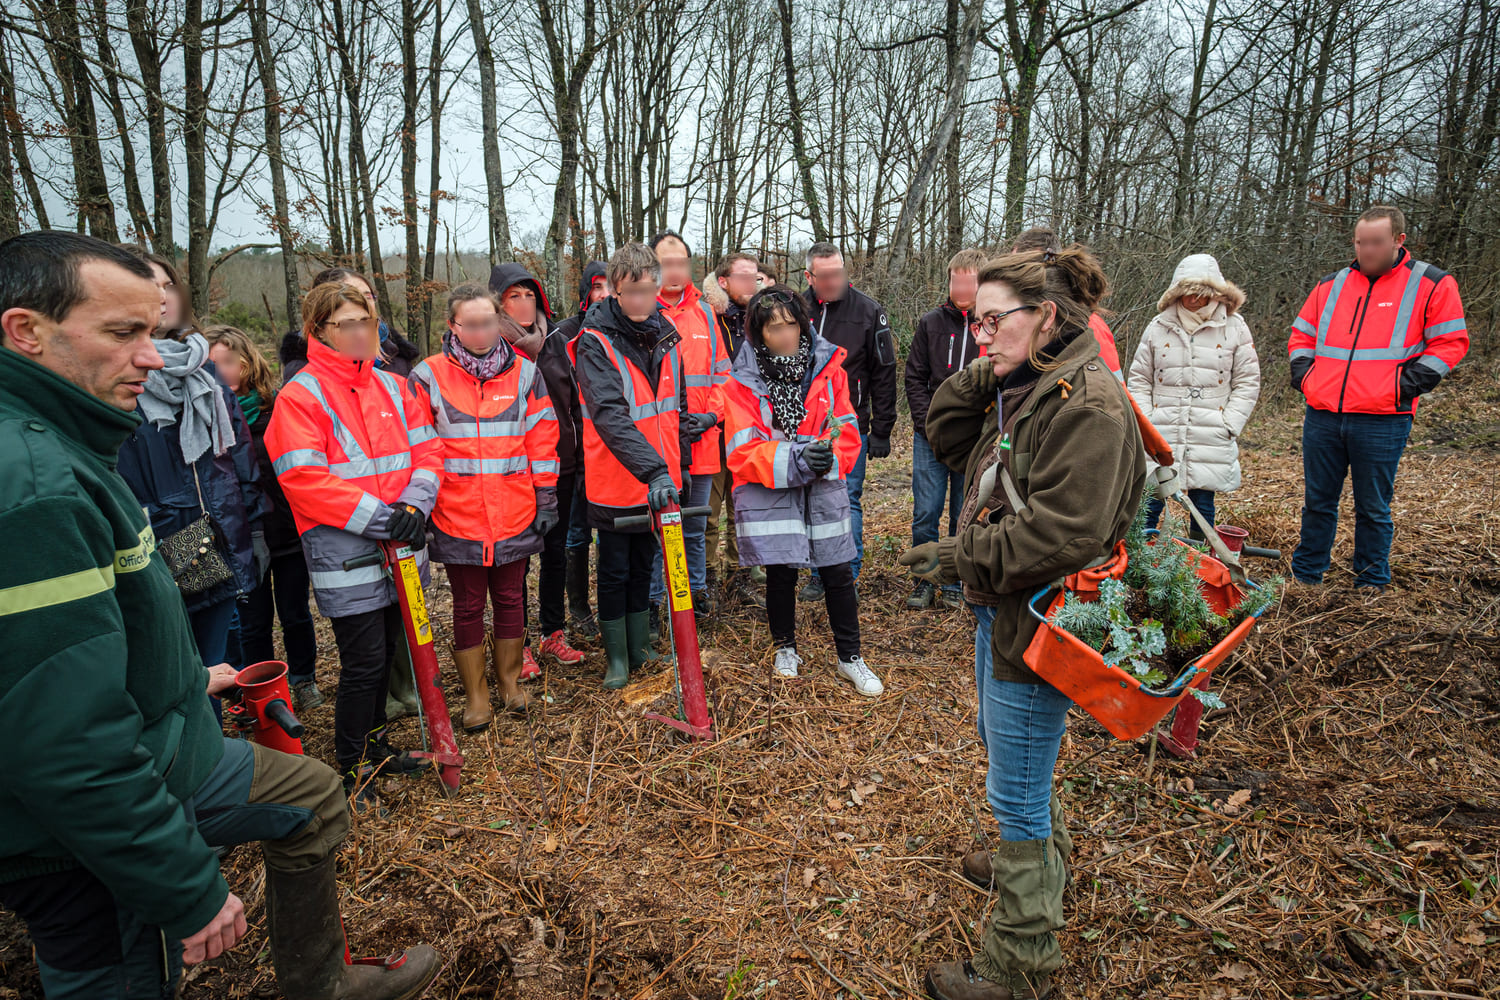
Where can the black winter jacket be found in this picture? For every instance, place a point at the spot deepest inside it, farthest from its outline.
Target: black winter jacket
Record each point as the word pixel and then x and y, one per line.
pixel 858 324
pixel 940 347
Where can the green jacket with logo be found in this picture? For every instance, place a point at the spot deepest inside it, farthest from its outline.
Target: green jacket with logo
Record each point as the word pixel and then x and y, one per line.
pixel 1075 453
pixel 102 690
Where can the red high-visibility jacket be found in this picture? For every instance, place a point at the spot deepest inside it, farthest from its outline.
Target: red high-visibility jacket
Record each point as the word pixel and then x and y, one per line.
pixel 1362 346
pixel 785 515
pixel 348 440
pixel 705 366
pixel 654 409
pixel 499 458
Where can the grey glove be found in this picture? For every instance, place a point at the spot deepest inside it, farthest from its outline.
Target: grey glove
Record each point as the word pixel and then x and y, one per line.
pixel 260 555
pixel 699 424
pixel 661 491
pixel 545 521
pixel 819 457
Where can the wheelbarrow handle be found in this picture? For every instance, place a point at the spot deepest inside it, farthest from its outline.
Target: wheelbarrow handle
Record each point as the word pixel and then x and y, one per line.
pixel 644 520
pixel 376 558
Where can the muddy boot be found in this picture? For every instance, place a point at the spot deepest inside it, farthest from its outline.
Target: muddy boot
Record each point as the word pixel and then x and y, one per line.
pixel 978 868
pixel 577 585
pixel 638 638
pixel 616 653
pixel 471 670
pixel 401 692
pixel 308 947
pixel 508 662
pixel 959 981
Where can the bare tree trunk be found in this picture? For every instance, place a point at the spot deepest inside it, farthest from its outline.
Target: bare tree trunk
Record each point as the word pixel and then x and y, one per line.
pixel 954 87
pixel 799 138
pixel 134 203
pixel 435 174
pixel 15 145
pixel 281 220
pixel 195 120
pixel 360 163
pixel 139 20
pixel 92 189
pixel 494 183
pixel 410 22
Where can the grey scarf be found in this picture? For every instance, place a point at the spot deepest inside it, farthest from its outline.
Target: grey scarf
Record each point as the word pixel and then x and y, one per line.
pixel 182 393
pixel 528 338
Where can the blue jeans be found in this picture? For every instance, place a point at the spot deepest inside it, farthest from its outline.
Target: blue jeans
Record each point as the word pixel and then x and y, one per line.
pixel 211 627
pixel 933 484
pixel 1201 499
pixel 1021 726
pixel 91 948
pixel 692 540
pixel 855 483
pixel 1367 448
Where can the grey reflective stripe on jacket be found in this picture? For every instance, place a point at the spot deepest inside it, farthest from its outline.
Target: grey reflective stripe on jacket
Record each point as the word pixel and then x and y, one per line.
pixel 798 520
pixel 340 592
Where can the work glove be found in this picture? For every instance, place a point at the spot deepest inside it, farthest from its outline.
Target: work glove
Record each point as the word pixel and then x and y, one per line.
pixel 1416 380
pixel 408 526
pixel 981 374
pixel 260 555
pixel 545 521
pixel 923 563
pixel 699 424
pixel 661 491
pixel 880 446
pixel 818 456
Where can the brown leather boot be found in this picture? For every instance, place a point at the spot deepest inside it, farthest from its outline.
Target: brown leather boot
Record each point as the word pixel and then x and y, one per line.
pixel 471 670
pixel 959 981
pixel 508 673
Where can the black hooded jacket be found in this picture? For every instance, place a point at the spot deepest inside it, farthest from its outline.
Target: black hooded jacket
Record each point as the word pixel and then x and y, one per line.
pixel 399 355
pixel 556 369
pixel 857 323
pixel 602 385
pixel 569 327
pixel 940 346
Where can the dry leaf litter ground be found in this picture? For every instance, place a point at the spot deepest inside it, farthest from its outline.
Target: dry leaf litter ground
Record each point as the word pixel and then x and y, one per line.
pixel 1335 838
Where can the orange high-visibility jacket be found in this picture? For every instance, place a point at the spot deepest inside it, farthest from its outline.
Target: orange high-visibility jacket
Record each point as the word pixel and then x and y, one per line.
pixel 499 458
pixel 347 440
pixel 705 368
pixel 783 514
pixel 1362 346
pixel 655 412
pixel 1106 339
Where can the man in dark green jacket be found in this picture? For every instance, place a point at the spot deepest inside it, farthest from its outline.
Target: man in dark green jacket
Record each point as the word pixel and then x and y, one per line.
pixel 108 823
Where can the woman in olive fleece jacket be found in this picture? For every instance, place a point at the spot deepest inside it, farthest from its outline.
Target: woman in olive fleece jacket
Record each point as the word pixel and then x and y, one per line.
pixel 1044 408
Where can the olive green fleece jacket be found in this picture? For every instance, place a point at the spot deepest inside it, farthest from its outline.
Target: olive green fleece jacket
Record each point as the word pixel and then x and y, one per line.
pixel 1076 456
pixel 102 691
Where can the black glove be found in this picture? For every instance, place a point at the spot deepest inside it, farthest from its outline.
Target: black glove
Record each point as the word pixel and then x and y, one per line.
pixel 819 457
pixel 260 554
pixel 661 491
pixel 699 424
pixel 407 526
pixel 1300 367
pixel 880 446
pixel 545 521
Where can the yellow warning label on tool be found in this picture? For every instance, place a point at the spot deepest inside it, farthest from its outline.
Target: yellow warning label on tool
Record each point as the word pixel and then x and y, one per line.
pixel 411 579
pixel 680 594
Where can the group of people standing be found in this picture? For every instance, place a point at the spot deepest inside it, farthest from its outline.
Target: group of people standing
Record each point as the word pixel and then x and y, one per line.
pixel 157 538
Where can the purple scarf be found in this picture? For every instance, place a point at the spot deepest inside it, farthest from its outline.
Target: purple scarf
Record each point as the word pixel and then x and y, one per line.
pixel 482 368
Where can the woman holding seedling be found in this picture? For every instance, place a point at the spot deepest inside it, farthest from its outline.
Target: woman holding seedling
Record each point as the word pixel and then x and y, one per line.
pixel 786 410
pixel 1054 469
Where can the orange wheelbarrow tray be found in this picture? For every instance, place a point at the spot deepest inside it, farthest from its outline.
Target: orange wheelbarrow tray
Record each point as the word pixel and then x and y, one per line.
pixel 1116 697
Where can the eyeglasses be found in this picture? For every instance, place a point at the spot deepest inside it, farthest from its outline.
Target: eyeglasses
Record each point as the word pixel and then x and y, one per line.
pixel 989 324
pixel 351 325
pixel 486 326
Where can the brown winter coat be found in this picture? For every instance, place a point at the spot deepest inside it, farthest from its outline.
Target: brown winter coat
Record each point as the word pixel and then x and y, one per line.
pixel 1076 456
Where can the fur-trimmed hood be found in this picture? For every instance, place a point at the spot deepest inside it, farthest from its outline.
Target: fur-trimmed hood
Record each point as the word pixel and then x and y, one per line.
pixel 1199 274
pixel 714 295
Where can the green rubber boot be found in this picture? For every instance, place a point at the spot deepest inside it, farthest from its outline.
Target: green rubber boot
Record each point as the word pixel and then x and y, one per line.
pixel 616 653
pixel 638 630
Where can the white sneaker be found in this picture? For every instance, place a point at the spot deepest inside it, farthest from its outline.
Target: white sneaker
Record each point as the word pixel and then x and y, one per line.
pixel 787 662
pixel 862 677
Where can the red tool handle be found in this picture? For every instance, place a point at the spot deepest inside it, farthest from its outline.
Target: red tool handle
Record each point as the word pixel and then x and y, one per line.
pixel 444 753
pixel 667 523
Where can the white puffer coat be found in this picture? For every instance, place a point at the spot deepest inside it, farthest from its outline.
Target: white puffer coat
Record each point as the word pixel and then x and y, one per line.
pixel 1199 389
